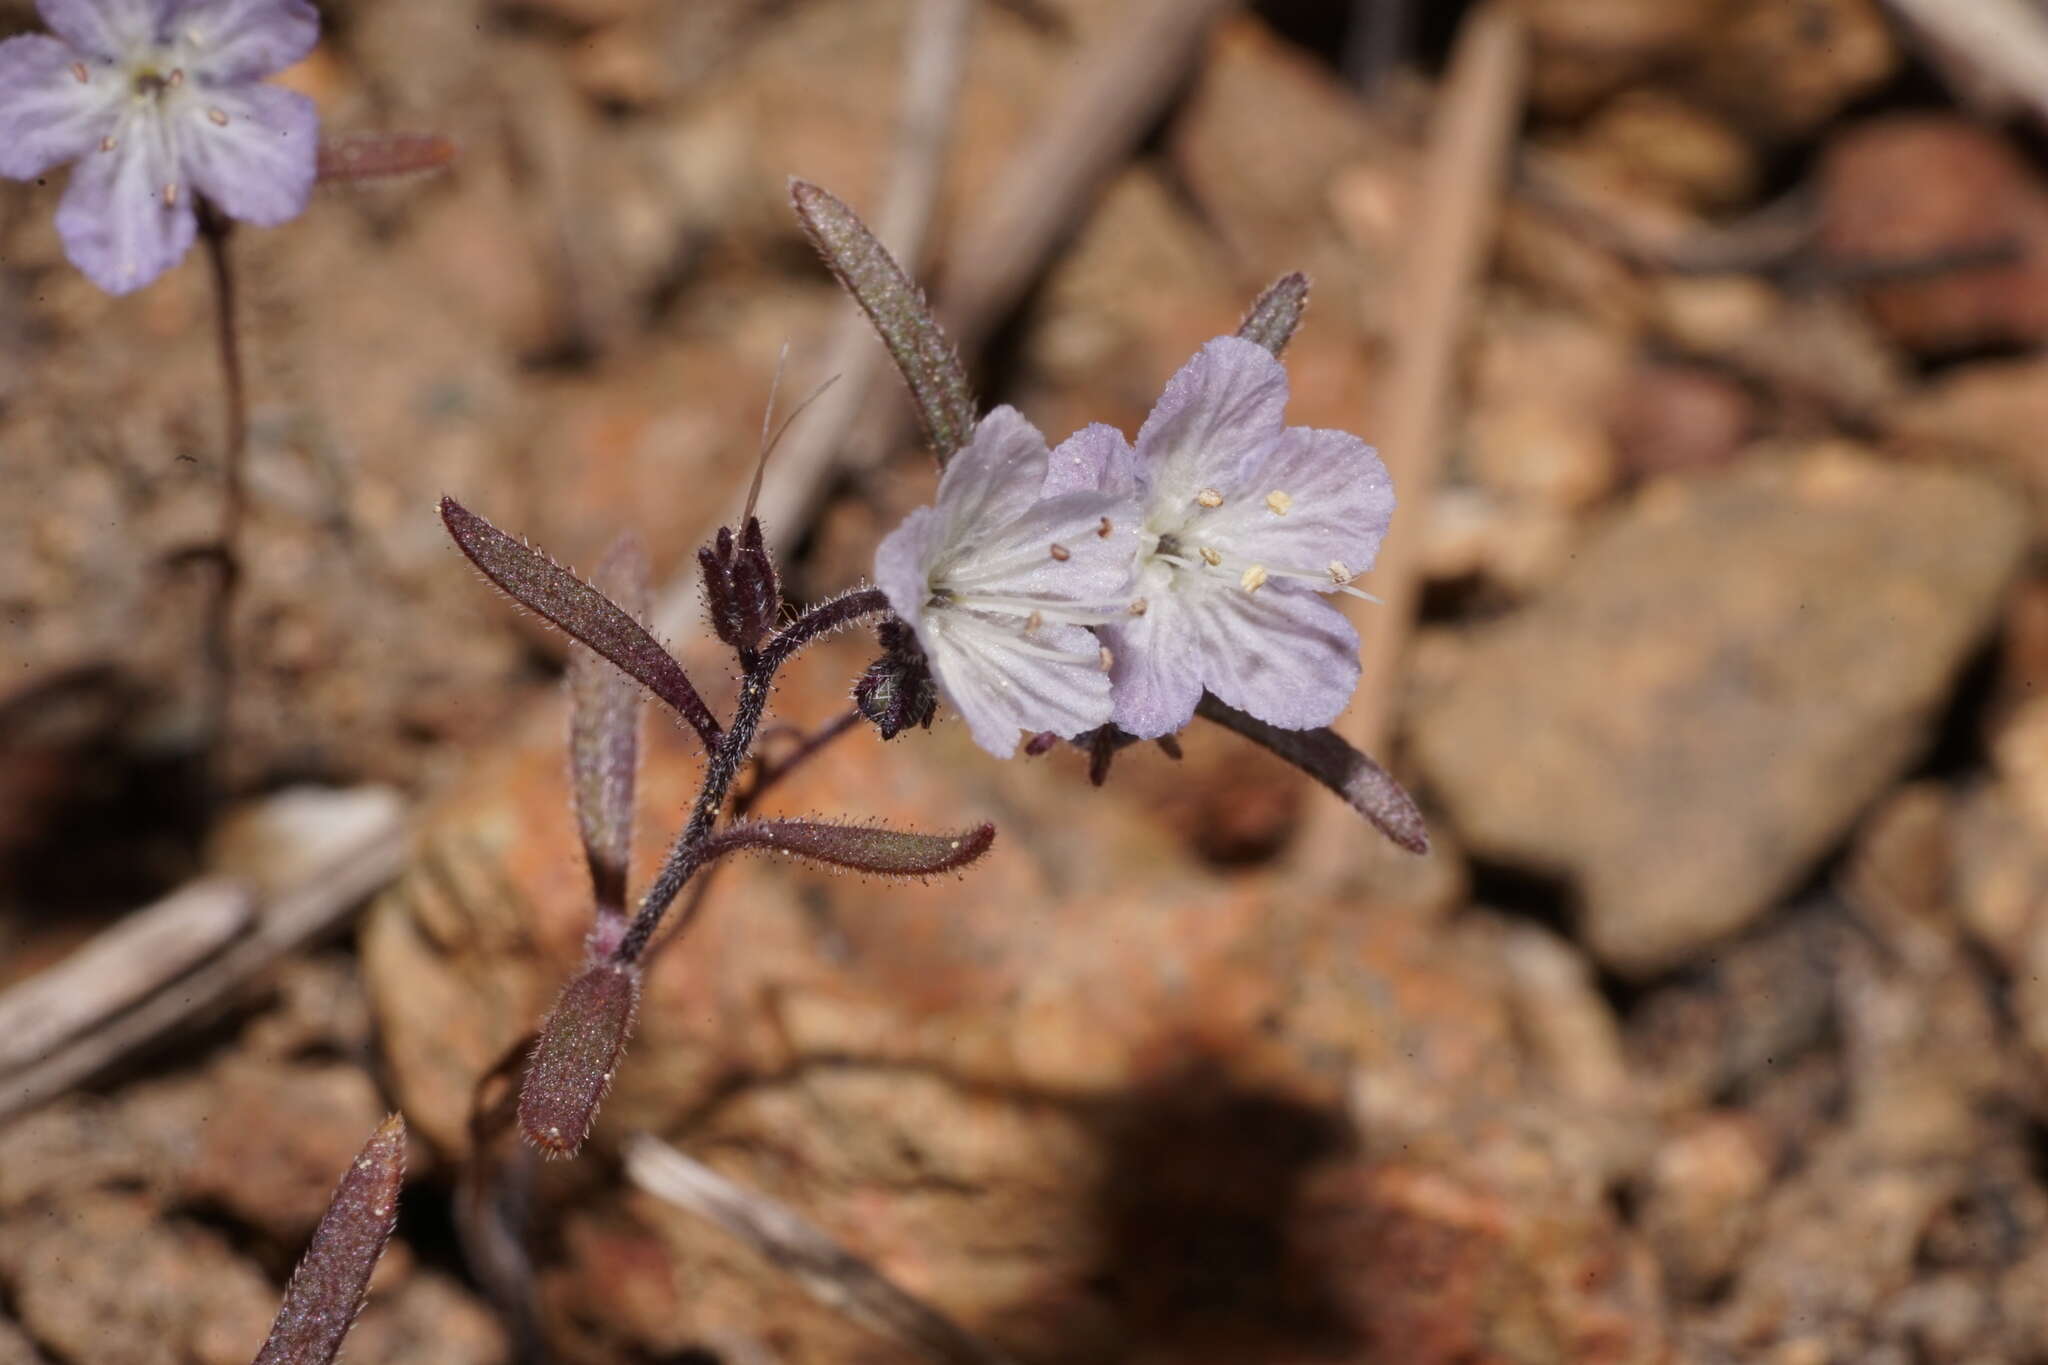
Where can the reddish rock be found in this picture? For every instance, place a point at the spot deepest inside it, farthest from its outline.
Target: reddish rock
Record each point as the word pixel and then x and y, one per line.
pixel 1922 194
pixel 1716 687
pixel 1678 419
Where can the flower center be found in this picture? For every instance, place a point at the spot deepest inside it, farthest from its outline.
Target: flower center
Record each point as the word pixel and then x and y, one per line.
pixel 150 83
pixel 1179 544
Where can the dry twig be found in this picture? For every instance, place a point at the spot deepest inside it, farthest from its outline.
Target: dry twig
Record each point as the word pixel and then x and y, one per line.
pixel 361 861
pixel 830 1273
pixel 144 952
pixel 1993 51
pixel 1467 158
pixel 1114 97
pixel 797 479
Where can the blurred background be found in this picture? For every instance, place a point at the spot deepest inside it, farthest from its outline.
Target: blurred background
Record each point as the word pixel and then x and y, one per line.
pixel 1703 339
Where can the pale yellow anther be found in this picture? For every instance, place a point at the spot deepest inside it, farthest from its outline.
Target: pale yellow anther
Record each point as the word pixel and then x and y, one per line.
pixel 217 117
pixel 1061 552
pixel 1279 502
pixel 1137 607
pixel 107 143
pixel 1034 622
pixel 1108 659
pixel 1209 497
pixel 80 74
pixel 170 196
pixel 1340 572
pixel 1254 578
pixel 1211 557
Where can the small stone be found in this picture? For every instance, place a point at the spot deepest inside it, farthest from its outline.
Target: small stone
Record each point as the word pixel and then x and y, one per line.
pixel 1701 1197
pixel 1715 687
pixel 1682 419
pixel 1933 191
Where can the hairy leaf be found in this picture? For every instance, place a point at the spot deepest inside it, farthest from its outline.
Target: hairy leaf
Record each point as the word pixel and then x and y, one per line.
pixel 896 306
pixel 1276 313
pixel 327 1289
pixel 579 1049
pixel 604 735
pixel 863 848
pixel 1329 758
pixel 580 611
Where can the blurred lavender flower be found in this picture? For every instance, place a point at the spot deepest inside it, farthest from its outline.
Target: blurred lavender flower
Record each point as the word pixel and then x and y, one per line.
pixel 1001 581
pixel 1246 521
pixel 159 101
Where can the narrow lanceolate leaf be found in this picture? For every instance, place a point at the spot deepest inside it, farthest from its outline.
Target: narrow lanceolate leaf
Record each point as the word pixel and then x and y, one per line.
pixel 896 306
pixel 863 848
pixel 328 1287
pixel 1276 313
pixel 580 612
pixel 577 1053
pixel 1329 759
pixel 604 734
pixel 382 156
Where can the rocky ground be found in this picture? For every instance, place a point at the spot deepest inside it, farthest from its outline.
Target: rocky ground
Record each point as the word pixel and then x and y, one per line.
pixel 1712 1029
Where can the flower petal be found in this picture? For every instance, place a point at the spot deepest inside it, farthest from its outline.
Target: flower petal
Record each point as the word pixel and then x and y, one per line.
pixel 1156 670
pixel 111 29
pixel 1096 458
pixel 1005 686
pixel 900 564
pixel 47 115
pixel 1312 499
pixel 994 478
pixel 1283 654
pixel 252 150
pixel 113 219
pixel 1226 405
pixel 1075 548
pixel 227 41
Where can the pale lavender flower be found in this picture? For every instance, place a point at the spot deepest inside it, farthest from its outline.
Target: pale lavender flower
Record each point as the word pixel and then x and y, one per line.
pixel 158 101
pixel 1246 521
pixel 1001 582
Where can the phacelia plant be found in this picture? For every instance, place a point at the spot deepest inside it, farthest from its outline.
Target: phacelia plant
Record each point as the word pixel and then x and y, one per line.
pixel 1096 591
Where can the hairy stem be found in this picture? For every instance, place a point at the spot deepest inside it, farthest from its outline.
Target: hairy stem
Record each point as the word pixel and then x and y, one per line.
pixel 687 855
pixel 217 629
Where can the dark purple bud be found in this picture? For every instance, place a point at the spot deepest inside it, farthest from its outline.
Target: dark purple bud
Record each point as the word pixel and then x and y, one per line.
pixel 382 156
pixel 1276 313
pixel 863 848
pixel 1329 758
pixel 578 1051
pixel 579 611
pixel 741 587
pixel 897 692
pixel 328 1287
pixel 896 306
pixel 1102 746
pixel 604 737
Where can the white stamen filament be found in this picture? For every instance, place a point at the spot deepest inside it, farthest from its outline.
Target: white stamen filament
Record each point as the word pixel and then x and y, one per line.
pixel 1252 577
pixel 1059 613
